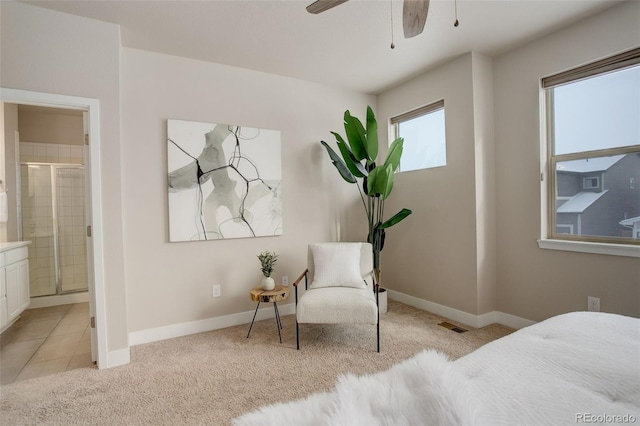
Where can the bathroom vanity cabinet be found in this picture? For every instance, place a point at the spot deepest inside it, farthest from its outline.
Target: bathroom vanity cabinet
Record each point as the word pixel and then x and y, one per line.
pixel 14 282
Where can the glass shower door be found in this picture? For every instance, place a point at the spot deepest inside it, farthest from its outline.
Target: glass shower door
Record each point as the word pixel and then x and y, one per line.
pixel 53 219
pixel 37 227
pixel 71 228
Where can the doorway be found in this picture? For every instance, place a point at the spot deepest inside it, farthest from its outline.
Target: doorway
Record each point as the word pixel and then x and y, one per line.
pixel 53 219
pixel 95 269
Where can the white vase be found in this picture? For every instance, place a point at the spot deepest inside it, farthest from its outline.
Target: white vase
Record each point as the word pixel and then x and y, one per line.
pixel 268 283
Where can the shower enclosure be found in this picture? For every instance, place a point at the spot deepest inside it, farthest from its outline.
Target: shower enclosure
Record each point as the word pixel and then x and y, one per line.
pixel 53 219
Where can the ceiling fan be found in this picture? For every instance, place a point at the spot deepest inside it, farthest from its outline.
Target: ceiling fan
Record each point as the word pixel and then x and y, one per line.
pixel 414 13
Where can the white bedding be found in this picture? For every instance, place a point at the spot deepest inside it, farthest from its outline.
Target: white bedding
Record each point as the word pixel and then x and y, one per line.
pixel 582 367
pixel 560 371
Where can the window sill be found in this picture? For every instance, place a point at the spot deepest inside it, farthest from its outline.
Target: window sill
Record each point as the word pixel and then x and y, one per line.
pixel 585 247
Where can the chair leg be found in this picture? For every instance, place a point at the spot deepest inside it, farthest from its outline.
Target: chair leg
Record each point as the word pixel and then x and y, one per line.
pixel 296 313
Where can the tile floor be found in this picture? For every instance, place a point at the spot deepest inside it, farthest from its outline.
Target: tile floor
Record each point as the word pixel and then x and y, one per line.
pixel 46 341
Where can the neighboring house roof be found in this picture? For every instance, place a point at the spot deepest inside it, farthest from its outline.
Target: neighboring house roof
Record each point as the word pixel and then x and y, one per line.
pixel 630 221
pixel 589 165
pixel 580 202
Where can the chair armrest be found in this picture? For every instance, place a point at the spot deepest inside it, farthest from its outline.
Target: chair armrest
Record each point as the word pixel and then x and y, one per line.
pixel 295 285
pixel 297 281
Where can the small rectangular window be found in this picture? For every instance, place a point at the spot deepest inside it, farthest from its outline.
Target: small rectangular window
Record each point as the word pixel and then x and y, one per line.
pixel 423 130
pixel 593 151
pixel 590 183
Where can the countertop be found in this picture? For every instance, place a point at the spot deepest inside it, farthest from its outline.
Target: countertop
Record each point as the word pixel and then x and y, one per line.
pixel 10 246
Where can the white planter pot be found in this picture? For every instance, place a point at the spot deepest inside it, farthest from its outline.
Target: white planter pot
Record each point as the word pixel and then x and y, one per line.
pixel 382 300
pixel 268 283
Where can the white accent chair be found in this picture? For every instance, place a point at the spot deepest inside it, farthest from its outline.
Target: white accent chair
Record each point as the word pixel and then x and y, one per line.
pixel 340 287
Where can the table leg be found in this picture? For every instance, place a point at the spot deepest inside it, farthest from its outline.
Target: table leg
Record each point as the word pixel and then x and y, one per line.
pixel 278 323
pixel 254 318
pixel 275 307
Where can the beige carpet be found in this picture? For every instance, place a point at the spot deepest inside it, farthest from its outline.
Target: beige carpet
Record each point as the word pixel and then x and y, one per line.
pixel 210 378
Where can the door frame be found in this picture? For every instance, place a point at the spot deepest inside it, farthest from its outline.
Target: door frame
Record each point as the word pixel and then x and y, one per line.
pixel 96 279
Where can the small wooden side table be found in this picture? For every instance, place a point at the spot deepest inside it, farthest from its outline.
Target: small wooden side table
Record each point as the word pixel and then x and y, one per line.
pixel 274 296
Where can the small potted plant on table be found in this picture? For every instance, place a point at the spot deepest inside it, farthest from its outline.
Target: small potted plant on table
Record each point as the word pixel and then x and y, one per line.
pixel 267 260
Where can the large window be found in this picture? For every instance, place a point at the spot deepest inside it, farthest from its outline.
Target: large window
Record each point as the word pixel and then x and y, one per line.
pixel 593 151
pixel 424 137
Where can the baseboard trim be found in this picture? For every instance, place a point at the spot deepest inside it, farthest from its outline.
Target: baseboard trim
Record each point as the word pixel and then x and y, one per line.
pixel 117 358
pixel 209 324
pixel 459 316
pixel 512 320
pixel 192 327
pixel 63 299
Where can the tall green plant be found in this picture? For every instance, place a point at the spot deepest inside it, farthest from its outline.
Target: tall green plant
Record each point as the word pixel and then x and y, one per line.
pixel 357 165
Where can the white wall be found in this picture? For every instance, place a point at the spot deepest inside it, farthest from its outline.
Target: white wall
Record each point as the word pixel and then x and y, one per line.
pixel 445 251
pixel 170 283
pixel 9 229
pixel 485 183
pixel 3 173
pixel 535 283
pixel 51 52
pixel 51 126
pixel 431 255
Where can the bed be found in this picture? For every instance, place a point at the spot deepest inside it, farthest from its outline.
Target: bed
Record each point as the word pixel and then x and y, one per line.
pixel 576 368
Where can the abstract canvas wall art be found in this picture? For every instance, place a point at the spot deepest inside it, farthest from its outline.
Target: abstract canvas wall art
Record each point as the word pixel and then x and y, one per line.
pixel 224 181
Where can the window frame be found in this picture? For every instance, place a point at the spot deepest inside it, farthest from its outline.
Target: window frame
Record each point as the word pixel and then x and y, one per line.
pixel 550 238
pixel 395 121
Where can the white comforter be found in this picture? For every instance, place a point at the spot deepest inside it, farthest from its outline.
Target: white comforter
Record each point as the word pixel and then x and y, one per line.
pixel 582 367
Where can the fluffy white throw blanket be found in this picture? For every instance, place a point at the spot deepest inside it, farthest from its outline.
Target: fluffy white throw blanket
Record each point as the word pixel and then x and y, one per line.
pixel 425 389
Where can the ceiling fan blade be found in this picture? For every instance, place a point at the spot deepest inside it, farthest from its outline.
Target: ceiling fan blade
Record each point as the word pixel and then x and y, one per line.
pixel 414 16
pixel 320 6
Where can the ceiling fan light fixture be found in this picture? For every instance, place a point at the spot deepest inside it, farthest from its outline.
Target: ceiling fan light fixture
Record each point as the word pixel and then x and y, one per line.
pixel 414 16
pixel 414 13
pixel 320 6
pixel 455 8
pixel 393 45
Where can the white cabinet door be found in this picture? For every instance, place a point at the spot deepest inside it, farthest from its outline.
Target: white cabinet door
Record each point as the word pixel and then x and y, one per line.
pixel 13 292
pixel 23 284
pixel 4 317
pixel 14 276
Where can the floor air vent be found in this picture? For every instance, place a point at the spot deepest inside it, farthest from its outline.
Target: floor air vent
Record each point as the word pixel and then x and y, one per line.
pixel 452 327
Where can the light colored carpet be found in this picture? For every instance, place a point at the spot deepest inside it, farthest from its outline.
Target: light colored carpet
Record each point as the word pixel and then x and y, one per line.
pixel 210 378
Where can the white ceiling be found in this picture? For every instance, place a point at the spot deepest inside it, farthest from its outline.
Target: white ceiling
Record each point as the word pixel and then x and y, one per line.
pixel 348 46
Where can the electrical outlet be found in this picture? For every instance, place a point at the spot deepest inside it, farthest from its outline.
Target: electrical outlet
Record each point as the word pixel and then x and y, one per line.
pixel 285 280
pixel 217 291
pixel 593 304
